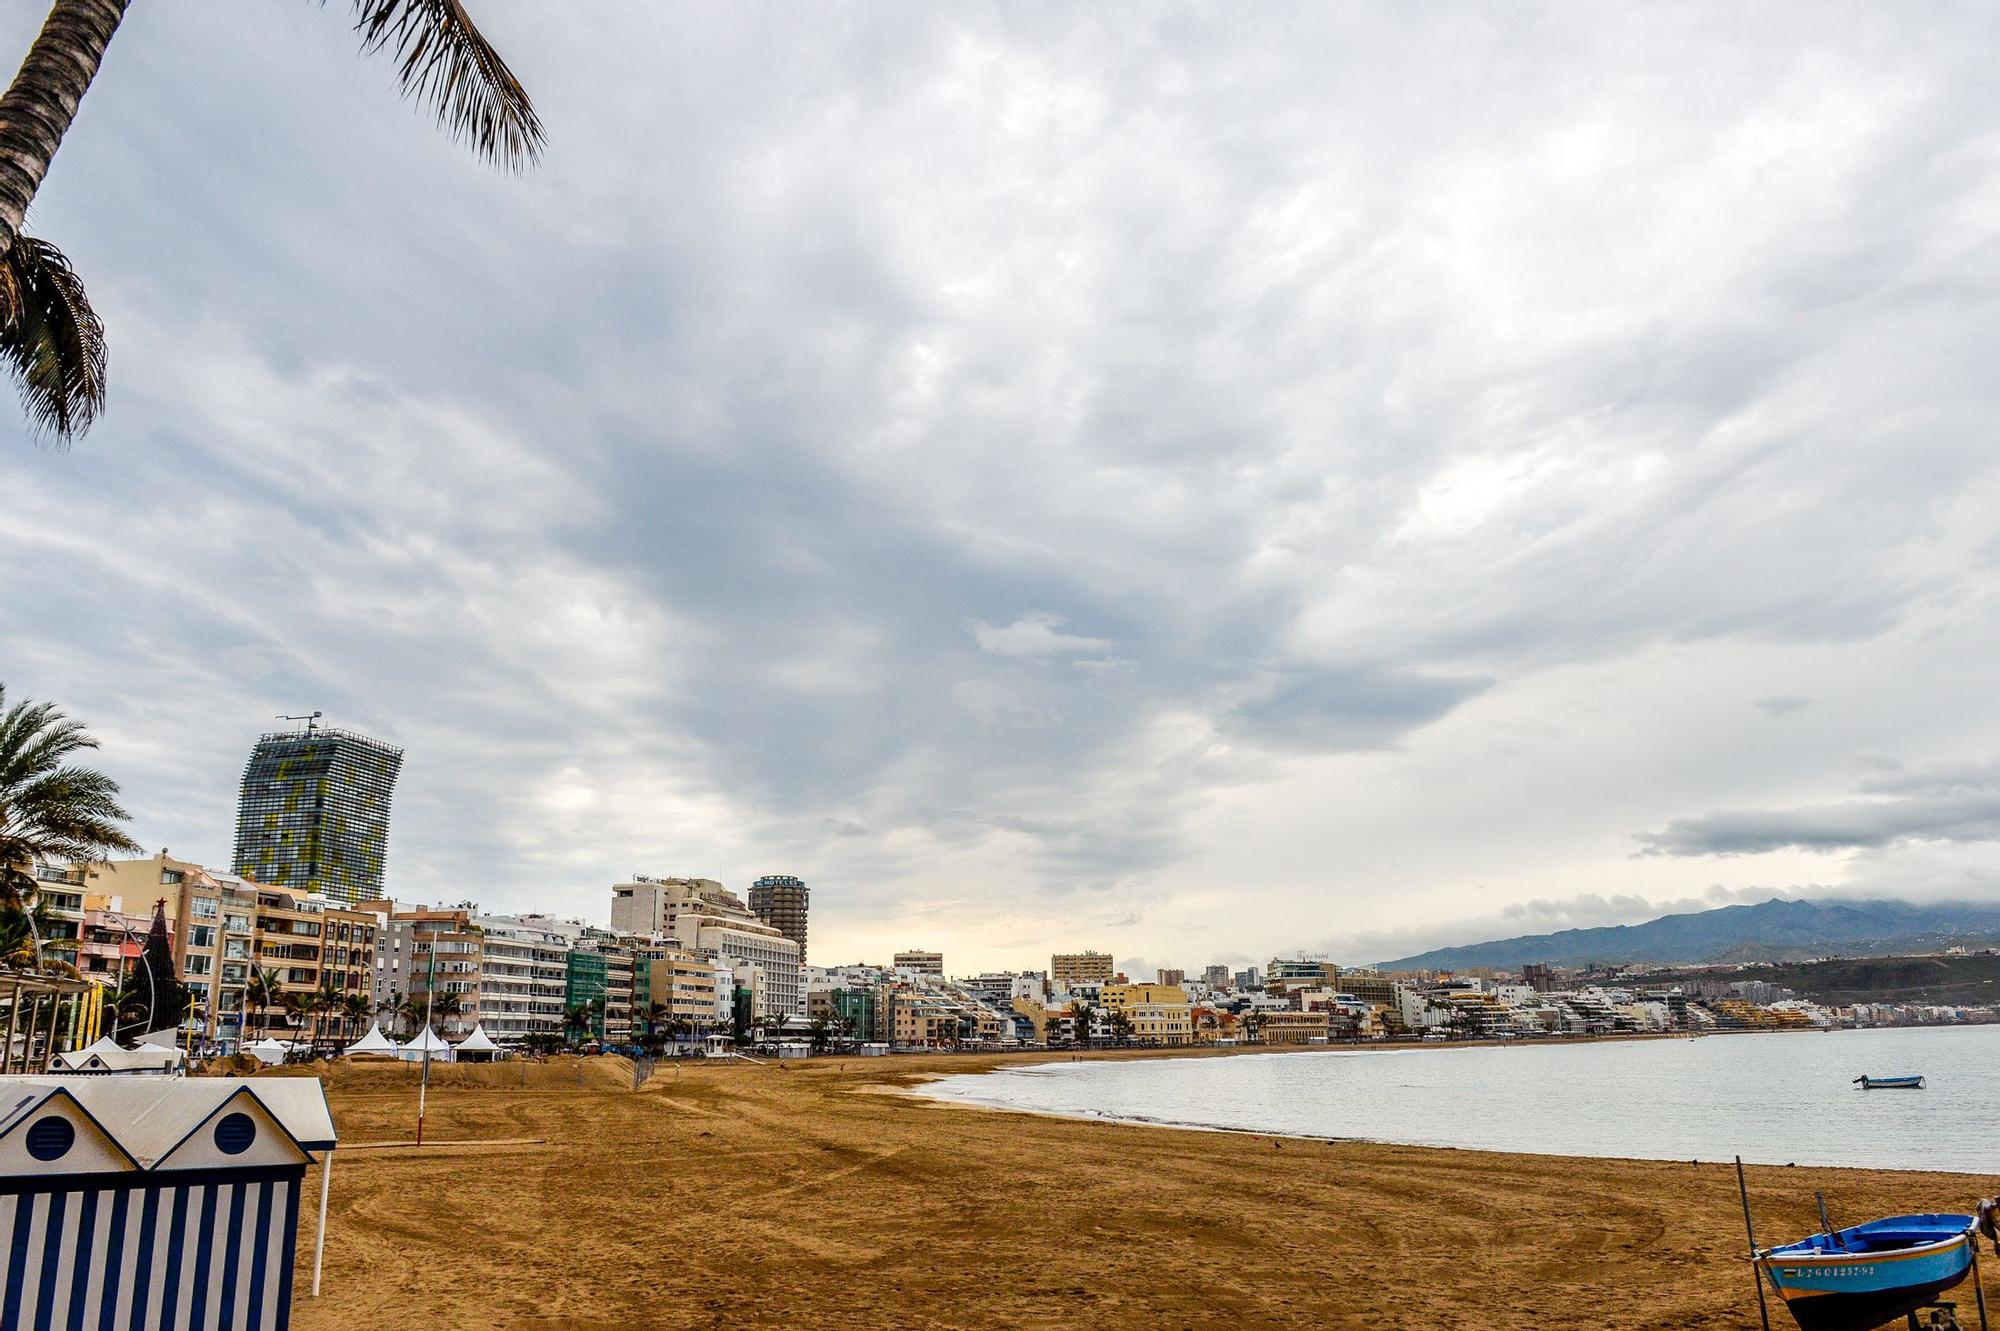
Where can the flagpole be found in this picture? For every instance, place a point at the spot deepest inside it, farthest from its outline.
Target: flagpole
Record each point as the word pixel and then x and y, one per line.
pixel 430 991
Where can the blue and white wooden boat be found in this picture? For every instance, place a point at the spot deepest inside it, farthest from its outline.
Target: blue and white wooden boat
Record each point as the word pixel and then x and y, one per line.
pixel 1853 1279
pixel 1868 1083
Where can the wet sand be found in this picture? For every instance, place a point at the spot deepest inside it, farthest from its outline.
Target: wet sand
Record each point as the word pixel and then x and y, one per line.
pixel 812 1195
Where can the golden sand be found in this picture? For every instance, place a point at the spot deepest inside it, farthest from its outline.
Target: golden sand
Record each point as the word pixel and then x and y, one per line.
pixel 730 1195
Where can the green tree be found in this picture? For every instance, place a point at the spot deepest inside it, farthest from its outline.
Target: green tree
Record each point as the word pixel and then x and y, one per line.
pixel 822 1031
pixel 22 932
pixel 264 990
pixel 653 1019
pixel 392 1008
pixel 49 336
pixel 297 1008
pixel 1080 1015
pixel 576 1023
pixel 52 810
pixel 356 1011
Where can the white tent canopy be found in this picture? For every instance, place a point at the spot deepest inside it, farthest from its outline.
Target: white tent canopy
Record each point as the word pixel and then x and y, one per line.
pixel 373 1043
pixel 426 1043
pixel 478 1042
pixel 268 1050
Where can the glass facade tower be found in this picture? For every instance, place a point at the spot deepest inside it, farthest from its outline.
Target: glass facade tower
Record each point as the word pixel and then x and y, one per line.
pixel 314 812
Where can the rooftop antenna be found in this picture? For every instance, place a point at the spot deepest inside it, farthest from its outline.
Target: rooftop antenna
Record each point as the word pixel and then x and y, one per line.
pixel 309 719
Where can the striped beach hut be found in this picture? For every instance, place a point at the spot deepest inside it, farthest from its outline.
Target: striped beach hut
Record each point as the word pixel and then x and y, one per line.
pixel 143 1203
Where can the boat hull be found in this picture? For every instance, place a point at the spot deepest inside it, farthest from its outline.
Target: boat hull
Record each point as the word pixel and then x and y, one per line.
pixel 1839 1291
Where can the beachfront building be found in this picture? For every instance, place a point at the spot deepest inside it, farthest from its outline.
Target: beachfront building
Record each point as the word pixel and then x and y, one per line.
pixel 313 813
pixel 226 928
pixel 701 914
pixel 524 968
pixel 862 1011
pixel 919 1018
pixel 1067 970
pixel 782 901
pixel 437 951
pixel 676 979
pixel 1289 1027
pixel 1158 1013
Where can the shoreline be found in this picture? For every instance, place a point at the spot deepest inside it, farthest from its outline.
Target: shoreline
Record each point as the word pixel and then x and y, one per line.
pixel 926 1088
pixel 761 1196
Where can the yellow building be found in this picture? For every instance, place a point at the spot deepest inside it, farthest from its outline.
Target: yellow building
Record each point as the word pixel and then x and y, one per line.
pixel 677 979
pixel 1159 1013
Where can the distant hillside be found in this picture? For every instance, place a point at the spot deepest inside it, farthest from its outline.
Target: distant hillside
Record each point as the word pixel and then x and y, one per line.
pixel 1772 930
pixel 1973 979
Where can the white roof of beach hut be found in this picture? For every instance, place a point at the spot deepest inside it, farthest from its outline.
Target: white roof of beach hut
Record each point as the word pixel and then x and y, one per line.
pixel 478 1042
pixel 156 1123
pixel 427 1041
pixel 373 1043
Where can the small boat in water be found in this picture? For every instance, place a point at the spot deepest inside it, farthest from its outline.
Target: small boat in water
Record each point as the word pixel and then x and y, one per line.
pixel 1868 1083
pixel 1852 1279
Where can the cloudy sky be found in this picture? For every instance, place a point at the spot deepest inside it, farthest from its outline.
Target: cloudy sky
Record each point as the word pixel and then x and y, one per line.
pixel 1191 481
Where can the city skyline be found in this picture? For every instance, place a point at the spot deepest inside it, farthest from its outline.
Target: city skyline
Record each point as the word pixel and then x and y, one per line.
pixel 1392 480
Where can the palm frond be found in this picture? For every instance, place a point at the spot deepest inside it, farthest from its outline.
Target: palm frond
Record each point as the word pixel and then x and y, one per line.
pixel 442 61
pixel 54 343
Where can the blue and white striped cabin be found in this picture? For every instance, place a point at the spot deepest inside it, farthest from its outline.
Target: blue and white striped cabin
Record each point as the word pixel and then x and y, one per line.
pixel 151 1204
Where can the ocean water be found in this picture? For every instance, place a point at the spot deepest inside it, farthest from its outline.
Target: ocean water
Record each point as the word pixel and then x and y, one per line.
pixel 1773 1099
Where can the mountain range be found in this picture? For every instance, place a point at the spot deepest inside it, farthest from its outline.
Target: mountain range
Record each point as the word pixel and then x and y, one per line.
pixel 1774 930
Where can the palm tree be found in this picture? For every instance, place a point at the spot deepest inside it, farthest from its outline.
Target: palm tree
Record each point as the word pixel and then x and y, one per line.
pixel 20 932
pixel 51 809
pixel 297 1008
pixel 48 333
pixel 355 1009
pixel 328 1001
pixel 652 1017
pixel 577 1019
pixel 1080 1013
pixel 392 1008
pixel 264 990
pixel 444 1006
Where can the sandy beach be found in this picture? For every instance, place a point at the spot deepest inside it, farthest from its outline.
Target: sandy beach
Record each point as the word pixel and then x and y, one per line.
pixel 727 1195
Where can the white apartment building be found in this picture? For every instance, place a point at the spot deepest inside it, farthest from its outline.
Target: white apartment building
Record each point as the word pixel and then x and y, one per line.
pixel 523 971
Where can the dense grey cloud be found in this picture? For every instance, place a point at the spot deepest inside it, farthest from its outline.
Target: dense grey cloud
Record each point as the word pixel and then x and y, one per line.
pixel 1178 481
pixel 1944 802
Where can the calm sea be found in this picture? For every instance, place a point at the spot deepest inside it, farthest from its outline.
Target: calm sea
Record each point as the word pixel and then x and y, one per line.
pixel 1773 1099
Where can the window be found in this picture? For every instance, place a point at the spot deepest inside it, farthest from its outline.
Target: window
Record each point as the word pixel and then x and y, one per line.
pixel 168 877
pixel 203 908
pixel 198 965
pixel 201 935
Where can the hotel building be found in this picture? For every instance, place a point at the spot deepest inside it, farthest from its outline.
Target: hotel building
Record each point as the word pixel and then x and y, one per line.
pixel 781 901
